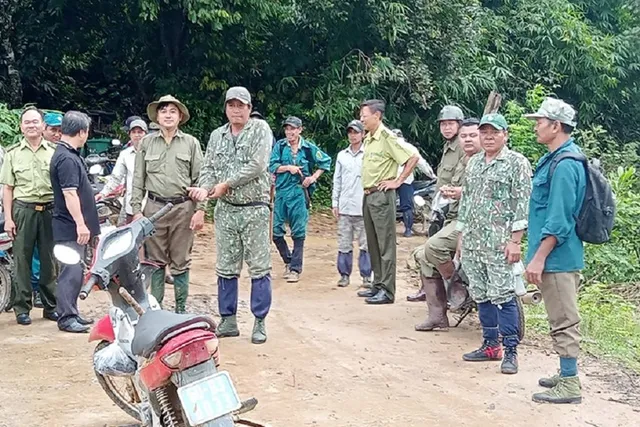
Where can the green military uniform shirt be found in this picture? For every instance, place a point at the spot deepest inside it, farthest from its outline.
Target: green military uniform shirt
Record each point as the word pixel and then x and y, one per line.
pixel 27 171
pixel 383 154
pixel 495 200
pixel 450 172
pixel 166 169
pixel 241 161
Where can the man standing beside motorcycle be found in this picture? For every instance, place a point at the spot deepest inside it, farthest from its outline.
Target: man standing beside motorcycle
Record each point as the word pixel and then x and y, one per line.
pixel 235 172
pixel 167 163
pixel 28 202
pixel 493 218
pixel 123 170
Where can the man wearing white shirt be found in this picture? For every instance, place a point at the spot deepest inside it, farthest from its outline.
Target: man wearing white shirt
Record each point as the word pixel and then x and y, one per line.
pixel 347 198
pixel 123 170
pixel 405 191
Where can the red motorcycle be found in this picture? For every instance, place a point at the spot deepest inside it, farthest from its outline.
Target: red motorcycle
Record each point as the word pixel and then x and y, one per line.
pixel 166 362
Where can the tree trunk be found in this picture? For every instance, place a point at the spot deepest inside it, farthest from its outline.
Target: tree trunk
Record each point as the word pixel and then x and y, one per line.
pixel 10 82
pixel 493 103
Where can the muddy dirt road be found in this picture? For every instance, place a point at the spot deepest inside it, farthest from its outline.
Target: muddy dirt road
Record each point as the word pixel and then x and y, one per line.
pixel 330 360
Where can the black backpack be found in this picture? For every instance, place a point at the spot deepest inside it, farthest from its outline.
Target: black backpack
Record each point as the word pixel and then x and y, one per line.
pixel 595 220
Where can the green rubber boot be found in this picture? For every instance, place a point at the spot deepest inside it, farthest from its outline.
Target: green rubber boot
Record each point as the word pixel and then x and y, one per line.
pixel 157 285
pixel 259 335
pixel 568 390
pixel 181 291
pixel 228 327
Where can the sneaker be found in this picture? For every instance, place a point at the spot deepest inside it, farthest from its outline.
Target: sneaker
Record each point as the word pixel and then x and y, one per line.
pixel 343 282
pixel 228 327
pixel 510 361
pixel 259 334
pixel 37 300
pixel 293 277
pixel 567 390
pixel 489 351
pixel 287 271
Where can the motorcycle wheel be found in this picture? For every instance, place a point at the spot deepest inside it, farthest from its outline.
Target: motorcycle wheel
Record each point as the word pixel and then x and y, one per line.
pixel 120 390
pixel 521 320
pixel 5 288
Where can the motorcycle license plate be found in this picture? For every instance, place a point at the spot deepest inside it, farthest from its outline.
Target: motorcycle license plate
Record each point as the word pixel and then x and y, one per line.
pixel 209 398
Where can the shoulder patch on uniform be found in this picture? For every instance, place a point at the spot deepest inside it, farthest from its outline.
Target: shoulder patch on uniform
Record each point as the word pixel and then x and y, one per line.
pixel 319 155
pixel 12 147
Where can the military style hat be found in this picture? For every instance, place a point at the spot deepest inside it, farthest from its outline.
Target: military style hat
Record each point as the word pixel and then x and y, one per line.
pixel 240 93
pixel 292 121
pixel 152 108
pixel 53 119
pixel 495 120
pixel 356 125
pixel 555 109
pixel 450 112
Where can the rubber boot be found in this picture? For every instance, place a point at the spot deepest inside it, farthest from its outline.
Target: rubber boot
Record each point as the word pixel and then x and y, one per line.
pixel 437 305
pixel 457 293
pixel 228 327
pixel 567 390
pixel 407 219
pixel 259 334
pixel 157 285
pixel 420 295
pixel 181 291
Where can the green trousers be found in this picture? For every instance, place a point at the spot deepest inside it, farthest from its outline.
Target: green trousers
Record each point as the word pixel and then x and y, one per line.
pixel 380 226
pixel 33 228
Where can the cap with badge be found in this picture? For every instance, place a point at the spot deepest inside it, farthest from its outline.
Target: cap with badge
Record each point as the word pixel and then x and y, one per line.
pixel 53 119
pixel 240 93
pixel 292 121
pixel 356 125
pixel 555 109
pixel 497 121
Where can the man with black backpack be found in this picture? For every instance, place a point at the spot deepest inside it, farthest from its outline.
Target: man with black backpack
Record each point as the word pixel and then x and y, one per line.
pixel 571 203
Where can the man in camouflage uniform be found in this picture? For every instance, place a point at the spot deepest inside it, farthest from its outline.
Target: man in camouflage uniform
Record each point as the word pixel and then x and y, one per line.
pixel 28 205
pixel 493 218
pixel 167 163
pixel 235 172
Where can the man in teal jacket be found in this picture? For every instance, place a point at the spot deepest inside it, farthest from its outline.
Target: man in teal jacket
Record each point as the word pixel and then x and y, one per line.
pixel 556 253
pixel 293 161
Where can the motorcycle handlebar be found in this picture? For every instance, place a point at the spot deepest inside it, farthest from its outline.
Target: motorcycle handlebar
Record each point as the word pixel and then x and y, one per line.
pixel 162 212
pixel 86 289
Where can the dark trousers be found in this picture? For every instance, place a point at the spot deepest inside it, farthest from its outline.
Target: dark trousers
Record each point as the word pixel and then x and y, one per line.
pixel 502 319
pixel 69 284
pixel 380 227
pixel 33 229
pixel 260 296
pixel 291 258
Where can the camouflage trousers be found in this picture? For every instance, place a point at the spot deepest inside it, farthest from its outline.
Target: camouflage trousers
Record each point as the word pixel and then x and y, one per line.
pixel 490 276
pixel 242 233
pixel 348 228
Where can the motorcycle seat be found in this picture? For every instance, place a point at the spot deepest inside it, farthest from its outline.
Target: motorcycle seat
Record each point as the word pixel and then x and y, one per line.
pixel 155 327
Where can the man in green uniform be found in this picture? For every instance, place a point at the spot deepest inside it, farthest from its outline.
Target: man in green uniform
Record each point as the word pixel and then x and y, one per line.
pixel 28 201
pixel 383 155
pixel 436 257
pixel 235 172
pixel 493 218
pixel 293 161
pixel 168 163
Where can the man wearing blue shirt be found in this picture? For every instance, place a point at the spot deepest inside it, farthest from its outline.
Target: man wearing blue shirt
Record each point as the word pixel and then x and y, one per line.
pixel 293 161
pixel 556 254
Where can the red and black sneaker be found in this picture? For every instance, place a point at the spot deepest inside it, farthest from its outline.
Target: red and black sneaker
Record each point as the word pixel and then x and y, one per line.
pixel 489 351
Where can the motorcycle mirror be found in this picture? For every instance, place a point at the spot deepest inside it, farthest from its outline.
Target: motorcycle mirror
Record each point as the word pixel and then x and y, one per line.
pixel 116 142
pixel 66 255
pixel 95 170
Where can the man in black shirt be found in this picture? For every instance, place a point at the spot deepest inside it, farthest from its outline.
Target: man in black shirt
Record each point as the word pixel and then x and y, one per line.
pixel 75 218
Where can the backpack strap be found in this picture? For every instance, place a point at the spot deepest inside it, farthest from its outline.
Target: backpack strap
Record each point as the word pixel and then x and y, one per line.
pixel 567 155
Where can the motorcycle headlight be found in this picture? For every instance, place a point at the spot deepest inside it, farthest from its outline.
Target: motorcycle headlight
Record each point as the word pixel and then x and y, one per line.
pixel 118 244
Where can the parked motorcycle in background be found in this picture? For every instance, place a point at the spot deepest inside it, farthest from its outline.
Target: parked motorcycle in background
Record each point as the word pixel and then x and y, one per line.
pixel 6 267
pixel 159 367
pixel 423 192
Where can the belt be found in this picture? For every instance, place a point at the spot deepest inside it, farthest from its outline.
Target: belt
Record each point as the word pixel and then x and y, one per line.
pixel 40 207
pixel 371 190
pixel 248 205
pixel 172 200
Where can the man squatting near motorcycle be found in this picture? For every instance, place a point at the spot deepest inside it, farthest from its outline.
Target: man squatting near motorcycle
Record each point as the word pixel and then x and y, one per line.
pixel 293 161
pixel 435 256
pixel 405 191
pixel 383 154
pixel 346 203
pixel 492 220
pixel 235 173
pixel 555 252
pixel 168 163
pixel 28 204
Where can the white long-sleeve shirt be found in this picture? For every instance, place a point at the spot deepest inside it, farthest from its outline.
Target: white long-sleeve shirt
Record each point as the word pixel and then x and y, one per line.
pixel 422 165
pixel 122 173
pixel 348 192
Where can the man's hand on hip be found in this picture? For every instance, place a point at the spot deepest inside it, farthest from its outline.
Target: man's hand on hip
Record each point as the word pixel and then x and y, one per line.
pixel 391 184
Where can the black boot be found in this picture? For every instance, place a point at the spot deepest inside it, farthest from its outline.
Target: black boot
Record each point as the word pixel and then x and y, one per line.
pixel 407 219
pixel 510 361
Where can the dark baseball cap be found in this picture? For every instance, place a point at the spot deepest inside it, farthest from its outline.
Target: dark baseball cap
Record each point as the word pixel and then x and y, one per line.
pixel 356 125
pixel 292 121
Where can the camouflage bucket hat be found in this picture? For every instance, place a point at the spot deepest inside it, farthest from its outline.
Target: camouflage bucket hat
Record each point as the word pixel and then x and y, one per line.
pixel 555 109
pixel 152 108
pixel 451 112
pixel 497 121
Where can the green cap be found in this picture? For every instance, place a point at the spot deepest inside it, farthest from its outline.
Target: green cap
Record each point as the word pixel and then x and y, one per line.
pixel 555 109
pixel 496 120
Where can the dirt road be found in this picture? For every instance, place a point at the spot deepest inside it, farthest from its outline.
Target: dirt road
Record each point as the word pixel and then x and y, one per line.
pixel 330 361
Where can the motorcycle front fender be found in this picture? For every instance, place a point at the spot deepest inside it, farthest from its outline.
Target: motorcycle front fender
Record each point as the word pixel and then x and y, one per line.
pixel 103 331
